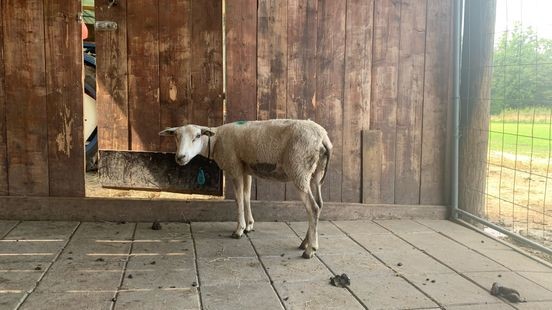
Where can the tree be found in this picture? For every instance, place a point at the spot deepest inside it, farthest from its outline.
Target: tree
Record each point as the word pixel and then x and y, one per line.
pixel 522 70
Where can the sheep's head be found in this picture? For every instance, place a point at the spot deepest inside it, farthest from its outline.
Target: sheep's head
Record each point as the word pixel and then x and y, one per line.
pixel 189 141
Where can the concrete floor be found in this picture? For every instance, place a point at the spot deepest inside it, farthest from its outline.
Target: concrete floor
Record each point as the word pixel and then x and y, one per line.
pixel 393 264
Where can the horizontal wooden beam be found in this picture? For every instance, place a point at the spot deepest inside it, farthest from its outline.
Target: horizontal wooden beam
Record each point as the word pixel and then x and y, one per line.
pixel 144 210
pixel 159 171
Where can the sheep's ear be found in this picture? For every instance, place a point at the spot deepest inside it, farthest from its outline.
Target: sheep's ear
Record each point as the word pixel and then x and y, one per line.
pixel 168 131
pixel 207 132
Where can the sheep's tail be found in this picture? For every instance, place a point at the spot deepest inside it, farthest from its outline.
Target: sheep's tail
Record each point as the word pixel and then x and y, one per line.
pixel 328 146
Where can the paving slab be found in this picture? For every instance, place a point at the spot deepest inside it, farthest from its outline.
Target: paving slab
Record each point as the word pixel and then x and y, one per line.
pixel 104 231
pixel 404 226
pixel 468 237
pixel 23 266
pixel 363 265
pixel 325 228
pixel 501 306
pixel 338 246
pixel 29 251
pixel 213 229
pixel 161 262
pixel 515 261
pixel 171 299
pixel 543 305
pixel 233 271
pixel 224 247
pixel 42 230
pixel 19 281
pixel 318 294
pixel 62 280
pixel 176 248
pixel 89 263
pixel 289 246
pixel 244 296
pixel 361 227
pixel 382 242
pixel 544 279
pixel 271 230
pixel 97 247
pixel 78 300
pixel 295 269
pixel 527 289
pixel 10 300
pixel 389 292
pixel 452 254
pixel 159 278
pixel 6 226
pixel 171 231
pixel 452 289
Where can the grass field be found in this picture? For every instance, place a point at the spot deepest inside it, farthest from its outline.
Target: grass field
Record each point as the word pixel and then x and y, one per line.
pixel 519 174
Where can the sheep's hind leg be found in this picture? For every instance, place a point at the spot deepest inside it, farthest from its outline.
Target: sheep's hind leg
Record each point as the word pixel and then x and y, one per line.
pixel 238 191
pixel 312 233
pixel 249 221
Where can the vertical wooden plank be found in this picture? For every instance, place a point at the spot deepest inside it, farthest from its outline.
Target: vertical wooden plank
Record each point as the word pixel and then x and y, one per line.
pixel 64 91
pixel 330 86
pixel 437 100
pixel 301 69
pixel 112 78
pixel 207 108
pixel 356 107
pixel 371 165
pixel 385 59
pixel 3 142
pixel 410 101
pixel 25 88
pixel 143 71
pixel 241 67
pixel 175 58
pixel 271 76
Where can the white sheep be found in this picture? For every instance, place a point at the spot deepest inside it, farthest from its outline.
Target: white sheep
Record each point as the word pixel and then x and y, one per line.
pixel 284 150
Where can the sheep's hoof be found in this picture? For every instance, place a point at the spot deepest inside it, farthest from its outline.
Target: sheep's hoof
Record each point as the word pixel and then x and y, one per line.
pixel 303 244
pixel 308 254
pixel 249 228
pixel 235 235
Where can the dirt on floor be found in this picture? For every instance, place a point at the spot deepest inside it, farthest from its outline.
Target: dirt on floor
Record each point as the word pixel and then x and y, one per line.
pixel 519 195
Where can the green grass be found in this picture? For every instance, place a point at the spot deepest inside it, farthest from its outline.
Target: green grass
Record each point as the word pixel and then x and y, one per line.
pixel 521 138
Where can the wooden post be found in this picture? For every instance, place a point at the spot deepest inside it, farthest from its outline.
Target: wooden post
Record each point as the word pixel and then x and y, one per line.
pixel 475 93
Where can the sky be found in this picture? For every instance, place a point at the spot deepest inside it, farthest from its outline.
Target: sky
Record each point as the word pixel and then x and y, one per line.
pixel 534 13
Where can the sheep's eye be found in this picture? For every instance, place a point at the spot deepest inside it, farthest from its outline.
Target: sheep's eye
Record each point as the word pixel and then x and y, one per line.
pixel 198 136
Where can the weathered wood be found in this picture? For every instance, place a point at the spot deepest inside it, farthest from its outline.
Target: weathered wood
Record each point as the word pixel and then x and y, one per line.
pixel 112 78
pixel 3 137
pixel 63 47
pixel 159 171
pixel 25 90
pixel 371 165
pixel 143 71
pixel 410 101
pixel 144 210
pixel 437 101
pixel 329 88
pixel 356 107
pixel 385 64
pixel 302 22
pixel 175 58
pixel 207 108
pixel 271 76
pixel 241 68
pixel 475 110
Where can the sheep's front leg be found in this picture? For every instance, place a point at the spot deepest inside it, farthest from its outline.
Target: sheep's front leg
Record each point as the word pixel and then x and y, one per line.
pixel 247 200
pixel 238 192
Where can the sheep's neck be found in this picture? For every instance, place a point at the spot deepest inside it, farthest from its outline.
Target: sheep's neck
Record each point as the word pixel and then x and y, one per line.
pixel 205 149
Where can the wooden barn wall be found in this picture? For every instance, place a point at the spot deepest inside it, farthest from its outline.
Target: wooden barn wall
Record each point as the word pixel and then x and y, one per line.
pixel 161 68
pixel 350 65
pixel 41 134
